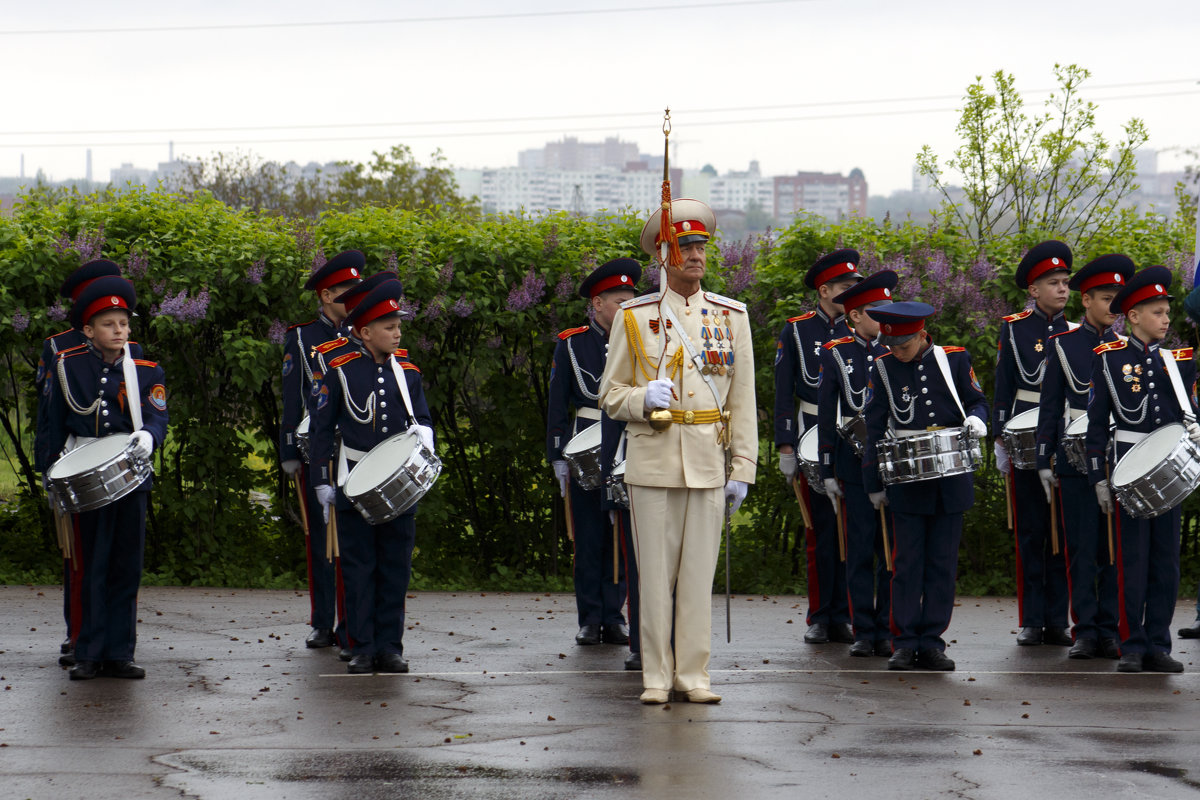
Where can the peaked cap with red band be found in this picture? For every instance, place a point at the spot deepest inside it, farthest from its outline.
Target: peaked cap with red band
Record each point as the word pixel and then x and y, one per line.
pixel 1149 284
pixel 103 294
pixel 875 289
pixel 620 273
pixel 1110 270
pixel 1041 260
pixel 78 280
pixel 901 319
pixel 839 265
pixel 353 296
pixel 382 301
pixel 343 268
pixel 692 221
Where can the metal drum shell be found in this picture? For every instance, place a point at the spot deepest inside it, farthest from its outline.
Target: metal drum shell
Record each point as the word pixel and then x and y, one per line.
pixel 808 456
pixel 1174 475
pixel 1020 439
pixel 854 431
pixel 405 484
pixel 616 486
pixel 927 456
pixel 101 472
pixel 302 442
pixel 582 453
pixel 1074 443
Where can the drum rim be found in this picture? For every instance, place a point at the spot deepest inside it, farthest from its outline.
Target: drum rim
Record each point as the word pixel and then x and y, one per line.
pixel 83 449
pixel 579 437
pixel 1155 435
pixel 409 435
pixel 1030 412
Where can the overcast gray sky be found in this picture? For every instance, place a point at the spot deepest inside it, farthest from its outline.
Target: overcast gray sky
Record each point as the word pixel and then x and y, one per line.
pixel 821 85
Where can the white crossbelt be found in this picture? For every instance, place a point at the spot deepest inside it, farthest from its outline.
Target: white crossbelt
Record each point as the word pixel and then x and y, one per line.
pixel 350 454
pixel 587 412
pixel 1027 396
pixel 132 390
pixel 1129 437
pixel 808 408
pixel 1075 413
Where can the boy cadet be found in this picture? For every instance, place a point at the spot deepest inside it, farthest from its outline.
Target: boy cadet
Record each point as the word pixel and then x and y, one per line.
pixel 575 374
pixel 845 368
pixel 918 387
pixel 1020 369
pixel 1141 387
pixel 685 355
pixel 1191 304
pixel 72 337
pixel 797 373
pixel 361 396
pixel 98 390
pixel 299 378
pixel 612 453
pixel 1090 564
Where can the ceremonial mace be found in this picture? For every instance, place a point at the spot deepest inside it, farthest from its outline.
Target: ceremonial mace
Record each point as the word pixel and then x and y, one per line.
pixel 660 418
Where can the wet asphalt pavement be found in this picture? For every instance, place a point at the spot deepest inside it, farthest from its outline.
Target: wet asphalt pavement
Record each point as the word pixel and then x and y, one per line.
pixel 502 704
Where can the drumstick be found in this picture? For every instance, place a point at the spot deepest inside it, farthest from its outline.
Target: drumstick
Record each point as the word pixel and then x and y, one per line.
pixel 841 528
pixel 1008 498
pixel 570 517
pixel 887 547
pixel 304 510
pixel 331 534
pixel 803 508
pixel 616 547
pixel 1053 524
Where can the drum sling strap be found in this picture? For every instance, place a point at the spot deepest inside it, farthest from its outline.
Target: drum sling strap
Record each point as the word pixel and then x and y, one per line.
pixel 1172 369
pixel 133 392
pixel 939 355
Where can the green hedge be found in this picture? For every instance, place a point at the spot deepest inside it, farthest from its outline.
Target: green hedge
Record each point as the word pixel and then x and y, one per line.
pixel 216 288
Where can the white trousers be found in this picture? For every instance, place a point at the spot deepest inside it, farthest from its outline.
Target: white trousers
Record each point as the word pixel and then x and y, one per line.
pixel 677 537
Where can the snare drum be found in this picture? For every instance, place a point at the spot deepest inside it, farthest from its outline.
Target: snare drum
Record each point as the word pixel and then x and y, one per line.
pixel 97 474
pixel 583 454
pixel 392 477
pixel 810 460
pixel 301 436
pixel 616 486
pixel 1075 443
pixel 928 455
pixel 1157 473
pixel 1020 439
pixel 854 431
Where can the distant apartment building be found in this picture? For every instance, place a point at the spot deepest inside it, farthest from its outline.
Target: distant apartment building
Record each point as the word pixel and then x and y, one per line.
pixel 128 173
pixel 572 155
pixel 830 195
pixel 510 189
pixel 741 191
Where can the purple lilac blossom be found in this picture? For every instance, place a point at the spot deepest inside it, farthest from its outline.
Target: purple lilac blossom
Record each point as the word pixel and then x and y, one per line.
pixel 494 342
pixel 528 294
pixel 446 273
pixel 435 307
pixel 277 332
pixel 20 321
pixel 254 275
pixel 462 307
pixel 57 312
pixel 136 264
pixel 565 288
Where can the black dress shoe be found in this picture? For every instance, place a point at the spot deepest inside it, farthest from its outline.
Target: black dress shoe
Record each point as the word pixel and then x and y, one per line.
pixel 841 633
pixel 1084 649
pixel 633 662
pixel 1057 636
pixel 1130 662
pixel 320 637
pixel 588 634
pixel 361 664
pixel 344 654
pixel 67 659
pixel 391 663
pixel 84 671
pixel 1110 648
pixel 1029 636
pixel 1190 632
pixel 862 648
pixel 935 660
pixel 1161 662
pixel 883 648
pixel 903 658
pixel 617 633
pixel 123 669
pixel 817 633
pixel 68 646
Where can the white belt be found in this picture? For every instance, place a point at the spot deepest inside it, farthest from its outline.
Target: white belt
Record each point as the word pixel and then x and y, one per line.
pixel 808 408
pixel 1027 396
pixel 588 412
pixel 1129 437
pixel 1076 413
pixel 354 455
pixel 843 420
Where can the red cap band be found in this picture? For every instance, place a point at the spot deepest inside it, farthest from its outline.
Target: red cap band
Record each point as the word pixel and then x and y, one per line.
pixel 1143 294
pixel 1042 267
pixel 621 281
pixel 106 303
pixel 386 307
pixel 834 271
pixel 880 295
pixel 687 227
pixel 341 276
pixel 902 328
pixel 1102 279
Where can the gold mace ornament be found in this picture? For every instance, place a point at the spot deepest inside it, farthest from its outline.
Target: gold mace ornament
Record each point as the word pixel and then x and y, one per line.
pixel 660 419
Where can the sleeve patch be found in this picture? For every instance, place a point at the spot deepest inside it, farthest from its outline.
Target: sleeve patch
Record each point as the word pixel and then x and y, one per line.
pixel 41 371
pixel 778 352
pixel 288 363
pixel 322 394
pixel 975 381
pixel 158 396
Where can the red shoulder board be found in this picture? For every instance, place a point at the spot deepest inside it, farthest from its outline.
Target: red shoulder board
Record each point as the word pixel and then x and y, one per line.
pixel 569 332
pixel 953 348
pixel 1183 354
pixel 883 355
pixel 1107 346
pixel 1018 315
pixel 344 359
pixel 802 317
pixel 301 324
pixel 60 333
pixel 1060 333
pixel 141 362
pixel 402 353
pixel 409 365
pixel 332 344
pixel 71 350
pixel 832 343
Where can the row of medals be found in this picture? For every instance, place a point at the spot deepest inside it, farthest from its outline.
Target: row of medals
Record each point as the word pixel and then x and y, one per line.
pixel 718 343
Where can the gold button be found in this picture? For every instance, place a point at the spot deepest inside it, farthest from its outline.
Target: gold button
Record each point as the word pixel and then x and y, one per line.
pixel 691 366
pixel 691 394
pixel 689 417
pixel 687 311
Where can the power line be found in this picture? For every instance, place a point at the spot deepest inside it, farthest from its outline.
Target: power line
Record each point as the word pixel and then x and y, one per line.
pixel 569 117
pixel 530 132
pixel 395 20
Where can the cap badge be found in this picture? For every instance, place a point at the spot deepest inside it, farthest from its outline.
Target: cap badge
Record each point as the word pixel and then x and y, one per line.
pixel 687 226
pixel 1157 287
pixel 354 272
pixel 887 292
pixel 624 279
pixel 1054 261
pixel 116 301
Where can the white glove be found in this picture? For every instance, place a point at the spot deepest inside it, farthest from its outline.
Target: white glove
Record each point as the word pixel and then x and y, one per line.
pixel 291 466
pixel 833 490
pixel 1193 431
pixel 612 517
pixel 658 394
pixel 976 426
pixel 326 494
pixel 878 499
pixel 787 465
pixel 561 472
pixel 141 444
pixel 1048 482
pixel 1104 497
pixel 426 434
pixel 735 493
pixel 1002 462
